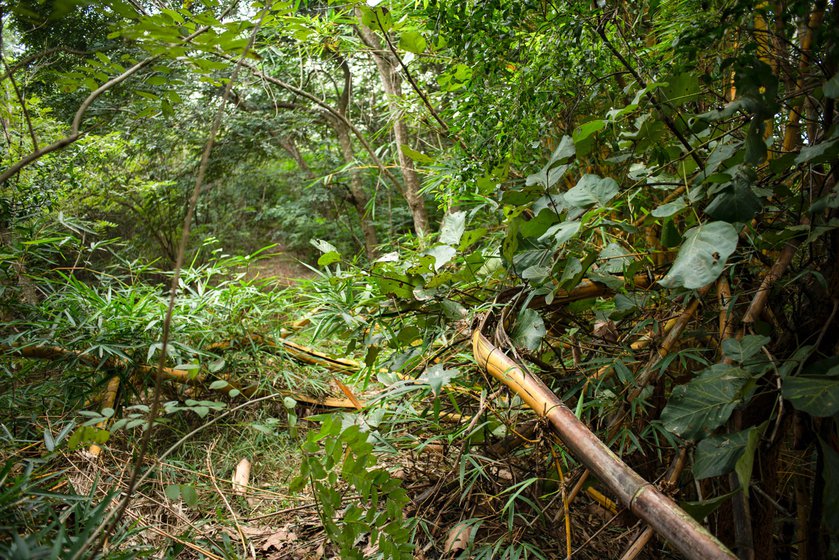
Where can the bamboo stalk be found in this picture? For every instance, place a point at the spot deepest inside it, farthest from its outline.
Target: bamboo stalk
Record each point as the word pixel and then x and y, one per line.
pixel 109 398
pixel 639 496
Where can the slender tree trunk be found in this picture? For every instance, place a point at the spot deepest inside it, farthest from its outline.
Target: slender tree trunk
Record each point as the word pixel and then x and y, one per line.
pixel 359 196
pixel 388 69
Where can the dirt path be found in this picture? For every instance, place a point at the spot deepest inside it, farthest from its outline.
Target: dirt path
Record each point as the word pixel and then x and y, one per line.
pixel 282 268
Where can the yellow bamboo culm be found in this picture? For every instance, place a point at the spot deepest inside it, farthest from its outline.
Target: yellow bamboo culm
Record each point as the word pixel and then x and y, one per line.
pixel 109 398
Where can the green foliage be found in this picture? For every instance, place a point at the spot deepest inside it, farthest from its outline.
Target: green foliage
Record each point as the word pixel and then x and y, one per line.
pixel 347 460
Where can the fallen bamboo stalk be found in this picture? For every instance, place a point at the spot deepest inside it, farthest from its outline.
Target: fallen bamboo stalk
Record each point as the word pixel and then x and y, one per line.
pixel 641 497
pixel 109 399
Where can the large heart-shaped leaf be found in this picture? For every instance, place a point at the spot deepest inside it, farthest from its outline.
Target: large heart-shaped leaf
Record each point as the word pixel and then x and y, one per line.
pixel 716 456
pixel 592 189
pixel 530 330
pixel 817 395
pixel 702 256
pixel 704 404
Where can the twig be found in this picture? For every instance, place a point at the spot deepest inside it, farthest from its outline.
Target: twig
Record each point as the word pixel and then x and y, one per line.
pixel 212 474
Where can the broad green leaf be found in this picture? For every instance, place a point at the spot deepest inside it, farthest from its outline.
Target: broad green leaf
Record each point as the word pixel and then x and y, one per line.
pixel 614 258
pixel 820 153
pixel 716 456
pixel 530 330
pixel 743 349
pixel 172 491
pixel 289 403
pixel 216 365
pixel 378 19
pixel 561 232
pixel 438 376
pixel 219 384
pixel 412 40
pixel 452 228
pixel 670 208
pixel 201 411
pixel 329 258
pixel 737 203
pixel 701 510
pixel 702 256
pixel 592 189
pixel 817 395
pixel 705 403
pixel 584 131
pixel 442 254
pixel 416 155
pixel 189 495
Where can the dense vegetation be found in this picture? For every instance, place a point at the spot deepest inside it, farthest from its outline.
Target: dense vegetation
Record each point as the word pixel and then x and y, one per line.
pixel 288 241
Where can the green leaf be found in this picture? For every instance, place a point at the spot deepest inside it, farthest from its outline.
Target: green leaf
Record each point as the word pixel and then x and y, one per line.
pixel 702 256
pixel 592 189
pixel 49 441
pixel 412 40
pixel 666 210
pixel 289 403
pixel 584 131
pixel 817 395
pixel 716 456
pixel 742 350
pixel 437 377
pixel 216 365
pixel 530 330
pixel 746 461
pixel 201 411
pixel 415 155
pixel 820 153
pixel 323 246
pixel 172 491
pixel 561 232
pixel 452 228
pixel 329 258
pixel 442 254
pixel 189 495
pixel 378 19
pixel 737 203
pixel 755 144
pixel 705 403
pixel 219 384
pixel 701 510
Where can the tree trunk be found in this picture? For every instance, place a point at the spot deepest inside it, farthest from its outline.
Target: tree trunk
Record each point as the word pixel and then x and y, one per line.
pixel 359 196
pixel 388 68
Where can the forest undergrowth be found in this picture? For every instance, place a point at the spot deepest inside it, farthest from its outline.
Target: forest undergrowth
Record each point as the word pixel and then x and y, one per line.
pixel 566 288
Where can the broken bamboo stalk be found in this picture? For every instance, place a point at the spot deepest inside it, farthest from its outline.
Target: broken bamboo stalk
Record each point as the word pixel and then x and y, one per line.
pixel 641 497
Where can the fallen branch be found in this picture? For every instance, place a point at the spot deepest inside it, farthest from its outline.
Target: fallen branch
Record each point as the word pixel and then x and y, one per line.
pixel 641 497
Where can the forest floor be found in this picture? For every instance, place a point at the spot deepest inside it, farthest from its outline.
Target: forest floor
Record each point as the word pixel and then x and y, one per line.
pixel 284 267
